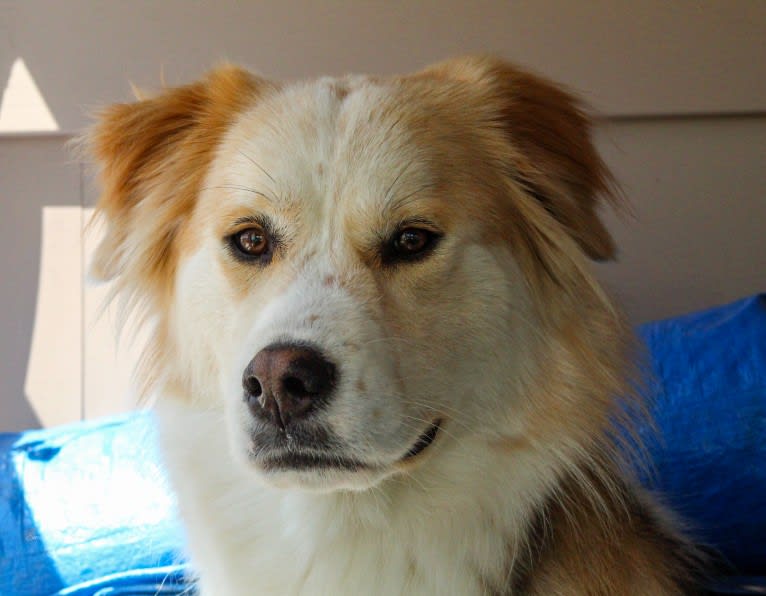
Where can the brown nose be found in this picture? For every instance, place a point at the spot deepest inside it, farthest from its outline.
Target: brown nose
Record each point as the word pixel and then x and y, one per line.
pixel 286 382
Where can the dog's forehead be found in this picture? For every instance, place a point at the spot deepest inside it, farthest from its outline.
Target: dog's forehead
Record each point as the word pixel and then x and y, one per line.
pixel 346 140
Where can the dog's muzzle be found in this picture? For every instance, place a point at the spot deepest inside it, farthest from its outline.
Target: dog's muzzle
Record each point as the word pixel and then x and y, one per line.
pixel 285 385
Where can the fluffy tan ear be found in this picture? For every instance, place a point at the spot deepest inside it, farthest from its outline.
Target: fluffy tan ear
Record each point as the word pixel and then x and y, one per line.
pixel 153 155
pixel 554 157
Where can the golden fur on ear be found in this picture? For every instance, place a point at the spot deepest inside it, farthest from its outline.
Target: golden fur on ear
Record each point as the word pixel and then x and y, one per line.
pixel 155 152
pixel 554 158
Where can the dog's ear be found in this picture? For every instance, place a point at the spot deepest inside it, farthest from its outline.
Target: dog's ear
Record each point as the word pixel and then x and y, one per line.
pixel 554 158
pixel 153 155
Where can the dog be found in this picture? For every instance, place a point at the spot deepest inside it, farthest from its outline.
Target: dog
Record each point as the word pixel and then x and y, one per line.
pixel 381 362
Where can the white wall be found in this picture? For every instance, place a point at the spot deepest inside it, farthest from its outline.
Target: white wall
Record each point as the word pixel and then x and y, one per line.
pixel 681 85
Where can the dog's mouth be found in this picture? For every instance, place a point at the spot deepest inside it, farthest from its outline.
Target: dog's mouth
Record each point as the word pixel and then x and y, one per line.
pixel 423 442
pixel 313 460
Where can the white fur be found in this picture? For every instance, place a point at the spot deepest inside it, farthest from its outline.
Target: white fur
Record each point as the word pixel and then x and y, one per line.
pixel 434 532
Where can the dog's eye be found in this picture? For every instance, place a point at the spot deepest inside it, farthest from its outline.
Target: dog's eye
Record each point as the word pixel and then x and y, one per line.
pixel 411 241
pixel 251 242
pixel 409 244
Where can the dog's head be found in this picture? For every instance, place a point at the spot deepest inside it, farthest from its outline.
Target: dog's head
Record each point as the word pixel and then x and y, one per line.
pixel 363 272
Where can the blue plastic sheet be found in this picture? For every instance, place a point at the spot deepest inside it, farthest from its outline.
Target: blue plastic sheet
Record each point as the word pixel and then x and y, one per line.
pixel 81 502
pixel 86 509
pixel 709 456
pixel 156 581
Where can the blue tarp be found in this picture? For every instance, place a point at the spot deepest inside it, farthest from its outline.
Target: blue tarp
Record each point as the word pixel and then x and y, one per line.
pixel 709 456
pixel 82 503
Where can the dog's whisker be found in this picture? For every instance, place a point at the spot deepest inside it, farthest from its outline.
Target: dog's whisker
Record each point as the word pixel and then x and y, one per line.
pixel 257 165
pixel 239 187
pixel 387 194
pixel 426 424
pixel 401 202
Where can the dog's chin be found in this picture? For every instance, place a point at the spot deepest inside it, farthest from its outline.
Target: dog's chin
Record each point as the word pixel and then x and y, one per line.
pixel 328 472
pixel 323 480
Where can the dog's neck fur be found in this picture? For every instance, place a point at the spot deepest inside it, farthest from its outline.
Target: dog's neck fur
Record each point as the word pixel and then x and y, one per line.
pixel 469 522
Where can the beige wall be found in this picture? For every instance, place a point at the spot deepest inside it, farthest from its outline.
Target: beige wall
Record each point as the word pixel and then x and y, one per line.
pixel 628 57
pixel 697 234
pixel 682 86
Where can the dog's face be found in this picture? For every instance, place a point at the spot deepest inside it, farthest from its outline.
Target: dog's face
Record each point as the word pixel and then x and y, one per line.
pixel 351 269
pixel 363 306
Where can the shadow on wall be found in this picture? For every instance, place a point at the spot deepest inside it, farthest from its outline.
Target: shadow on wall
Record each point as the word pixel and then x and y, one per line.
pixel 60 360
pixel 48 311
pixel 18 294
pixel 29 231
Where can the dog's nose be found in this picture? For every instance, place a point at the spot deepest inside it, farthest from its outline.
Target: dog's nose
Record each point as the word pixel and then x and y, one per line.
pixel 286 382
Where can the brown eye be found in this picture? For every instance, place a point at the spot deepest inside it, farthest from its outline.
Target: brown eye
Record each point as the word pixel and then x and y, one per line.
pixel 411 241
pixel 251 242
pixel 410 244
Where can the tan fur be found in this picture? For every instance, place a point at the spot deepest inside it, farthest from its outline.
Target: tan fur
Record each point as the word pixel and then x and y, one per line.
pixel 554 158
pixel 155 155
pixel 604 544
pixel 529 179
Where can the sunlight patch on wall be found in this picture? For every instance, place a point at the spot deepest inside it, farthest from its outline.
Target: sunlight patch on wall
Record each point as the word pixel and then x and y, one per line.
pixel 77 369
pixel 23 108
pixel 53 384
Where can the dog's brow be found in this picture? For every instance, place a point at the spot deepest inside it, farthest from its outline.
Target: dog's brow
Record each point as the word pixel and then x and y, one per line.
pixel 400 202
pixel 250 219
pixel 268 197
pixel 387 195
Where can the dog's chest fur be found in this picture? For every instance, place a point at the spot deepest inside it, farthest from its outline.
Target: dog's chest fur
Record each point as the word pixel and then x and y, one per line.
pixel 445 538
